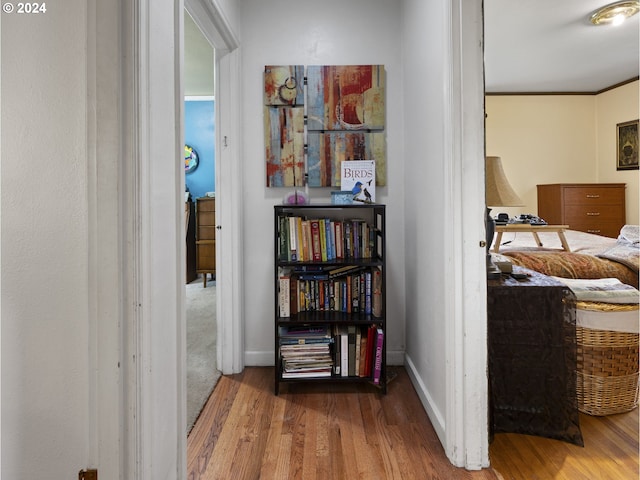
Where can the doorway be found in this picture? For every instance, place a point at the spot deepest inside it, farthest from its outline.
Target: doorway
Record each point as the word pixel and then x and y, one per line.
pixel 201 289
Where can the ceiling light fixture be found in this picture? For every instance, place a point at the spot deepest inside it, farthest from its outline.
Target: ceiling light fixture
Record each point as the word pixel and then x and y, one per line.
pixel 615 13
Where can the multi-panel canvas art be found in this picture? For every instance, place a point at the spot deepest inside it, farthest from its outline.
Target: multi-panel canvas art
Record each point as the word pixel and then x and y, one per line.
pixel 346 97
pixel 284 85
pixel 327 150
pixel 345 120
pixel 284 141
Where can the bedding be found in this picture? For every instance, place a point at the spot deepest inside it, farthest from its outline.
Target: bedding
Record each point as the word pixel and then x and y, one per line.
pixel 592 256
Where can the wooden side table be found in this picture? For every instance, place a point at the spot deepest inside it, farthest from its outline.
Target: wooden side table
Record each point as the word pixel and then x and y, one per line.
pixel 534 230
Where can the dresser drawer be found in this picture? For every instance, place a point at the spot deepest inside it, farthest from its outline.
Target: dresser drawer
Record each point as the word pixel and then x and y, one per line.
pixel 206 232
pixel 606 229
pixel 206 218
pixel 206 204
pixel 592 213
pixel 593 196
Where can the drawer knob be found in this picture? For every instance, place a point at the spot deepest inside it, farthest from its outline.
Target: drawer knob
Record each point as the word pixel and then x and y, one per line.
pixel 593 214
pixel 592 195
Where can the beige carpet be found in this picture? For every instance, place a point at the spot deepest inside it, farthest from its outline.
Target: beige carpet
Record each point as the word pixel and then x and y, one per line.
pixel 202 373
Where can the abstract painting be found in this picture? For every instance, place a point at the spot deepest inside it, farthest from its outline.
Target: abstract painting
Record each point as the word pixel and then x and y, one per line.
pixel 284 85
pixel 326 151
pixel 339 109
pixel 284 145
pixel 346 97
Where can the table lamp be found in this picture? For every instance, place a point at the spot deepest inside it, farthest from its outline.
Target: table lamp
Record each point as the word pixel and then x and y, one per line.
pixel 498 193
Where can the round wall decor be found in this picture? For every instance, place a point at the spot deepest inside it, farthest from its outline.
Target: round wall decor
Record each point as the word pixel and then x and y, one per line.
pixel 191 159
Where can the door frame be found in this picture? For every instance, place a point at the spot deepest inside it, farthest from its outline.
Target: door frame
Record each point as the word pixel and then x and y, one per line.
pixel 229 200
pixel 153 445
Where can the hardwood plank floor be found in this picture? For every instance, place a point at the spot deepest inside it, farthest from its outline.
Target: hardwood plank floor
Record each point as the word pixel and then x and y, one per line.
pixel 316 431
pixel 335 431
pixel 610 452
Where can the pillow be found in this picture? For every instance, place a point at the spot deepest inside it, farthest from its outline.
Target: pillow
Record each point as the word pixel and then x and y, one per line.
pixel 629 235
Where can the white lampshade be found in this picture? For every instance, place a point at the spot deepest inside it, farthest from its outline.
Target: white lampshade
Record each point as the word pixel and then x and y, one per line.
pixel 498 191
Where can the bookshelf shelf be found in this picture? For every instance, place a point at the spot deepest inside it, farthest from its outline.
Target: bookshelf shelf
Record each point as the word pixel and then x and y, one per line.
pixel 330 294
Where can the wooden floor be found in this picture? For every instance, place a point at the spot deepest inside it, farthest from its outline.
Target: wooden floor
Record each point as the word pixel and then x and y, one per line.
pixel 316 431
pixel 327 431
pixel 610 452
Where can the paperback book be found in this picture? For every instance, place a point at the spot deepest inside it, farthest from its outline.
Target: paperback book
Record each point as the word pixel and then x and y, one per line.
pixel 359 177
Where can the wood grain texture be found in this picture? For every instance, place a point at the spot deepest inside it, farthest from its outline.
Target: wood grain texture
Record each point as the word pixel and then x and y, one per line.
pixel 610 452
pixel 325 431
pixel 316 431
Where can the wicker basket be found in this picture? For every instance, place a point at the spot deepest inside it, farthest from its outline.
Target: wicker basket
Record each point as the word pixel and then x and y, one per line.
pixel 607 366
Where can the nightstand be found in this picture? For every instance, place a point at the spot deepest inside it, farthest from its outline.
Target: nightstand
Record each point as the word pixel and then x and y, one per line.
pixel 532 357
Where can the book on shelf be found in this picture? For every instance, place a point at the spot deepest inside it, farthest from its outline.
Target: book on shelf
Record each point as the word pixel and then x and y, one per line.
pixel 377 365
pixel 371 335
pixel 337 361
pixel 351 335
pixel 376 294
pixel 339 242
pixel 284 250
pixel 293 238
pixel 322 239
pixel 305 331
pixel 305 351
pixel 359 177
pixel 362 365
pixel 307 374
pixel 324 254
pixel 347 289
pixel 284 294
pixel 358 350
pixel 344 350
pixel 330 238
pixel 305 229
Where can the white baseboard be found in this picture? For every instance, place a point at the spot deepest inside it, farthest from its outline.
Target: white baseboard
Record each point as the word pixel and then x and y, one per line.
pixel 427 400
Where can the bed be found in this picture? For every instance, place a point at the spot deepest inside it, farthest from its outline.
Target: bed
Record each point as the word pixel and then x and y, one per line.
pixel 591 256
pixel 602 383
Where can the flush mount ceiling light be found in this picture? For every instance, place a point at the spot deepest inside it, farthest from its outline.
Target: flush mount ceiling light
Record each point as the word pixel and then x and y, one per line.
pixel 615 13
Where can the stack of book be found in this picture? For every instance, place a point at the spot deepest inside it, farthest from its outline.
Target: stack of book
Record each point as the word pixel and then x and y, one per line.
pixel 306 351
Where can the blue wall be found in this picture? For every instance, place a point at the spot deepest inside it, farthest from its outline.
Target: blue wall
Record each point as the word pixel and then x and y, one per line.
pixel 199 133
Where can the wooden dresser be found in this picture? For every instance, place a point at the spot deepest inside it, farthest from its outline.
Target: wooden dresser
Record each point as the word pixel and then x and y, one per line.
pixel 190 221
pixel 206 237
pixel 597 208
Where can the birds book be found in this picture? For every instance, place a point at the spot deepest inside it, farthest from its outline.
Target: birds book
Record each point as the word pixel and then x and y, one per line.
pixel 359 177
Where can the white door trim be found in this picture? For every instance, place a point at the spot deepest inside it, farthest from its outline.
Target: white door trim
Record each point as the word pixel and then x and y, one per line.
pixel 229 200
pixel 466 376
pixel 151 226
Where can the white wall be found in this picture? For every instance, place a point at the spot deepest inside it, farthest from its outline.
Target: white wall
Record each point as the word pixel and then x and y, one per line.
pixel 424 82
pixel 619 105
pixel 561 139
pixel 542 139
pixel 45 258
pixel 332 32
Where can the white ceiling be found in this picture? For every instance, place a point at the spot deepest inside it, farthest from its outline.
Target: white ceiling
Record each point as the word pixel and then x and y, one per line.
pixel 530 46
pixel 550 46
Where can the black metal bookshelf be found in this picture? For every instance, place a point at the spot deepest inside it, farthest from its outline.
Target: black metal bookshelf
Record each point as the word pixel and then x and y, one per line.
pixel 373 215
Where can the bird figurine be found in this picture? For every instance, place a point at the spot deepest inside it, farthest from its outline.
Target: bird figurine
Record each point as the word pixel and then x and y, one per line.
pixel 357 188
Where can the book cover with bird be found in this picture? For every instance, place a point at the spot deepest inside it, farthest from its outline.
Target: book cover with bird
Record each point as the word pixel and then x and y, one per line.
pixel 359 177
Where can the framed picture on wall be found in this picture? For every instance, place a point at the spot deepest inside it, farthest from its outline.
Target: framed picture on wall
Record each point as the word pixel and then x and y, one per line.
pixel 627 145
